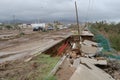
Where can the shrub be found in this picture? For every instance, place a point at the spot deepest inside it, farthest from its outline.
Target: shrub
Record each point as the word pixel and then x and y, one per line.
pixel 8 27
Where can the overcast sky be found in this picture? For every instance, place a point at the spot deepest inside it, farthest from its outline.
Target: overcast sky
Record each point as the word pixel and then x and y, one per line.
pixel 63 10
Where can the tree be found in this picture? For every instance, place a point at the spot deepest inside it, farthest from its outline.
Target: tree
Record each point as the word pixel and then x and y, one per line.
pixel 8 27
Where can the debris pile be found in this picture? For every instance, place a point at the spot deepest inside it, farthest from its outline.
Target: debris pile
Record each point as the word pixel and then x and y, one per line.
pixel 80 60
pixel 85 61
pixel 113 68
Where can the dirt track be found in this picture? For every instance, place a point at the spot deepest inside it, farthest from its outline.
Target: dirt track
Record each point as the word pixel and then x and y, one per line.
pixel 30 44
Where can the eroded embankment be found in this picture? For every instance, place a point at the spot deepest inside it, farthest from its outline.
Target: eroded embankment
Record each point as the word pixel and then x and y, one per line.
pixel 40 66
pixel 64 69
pixel 35 68
pixel 69 65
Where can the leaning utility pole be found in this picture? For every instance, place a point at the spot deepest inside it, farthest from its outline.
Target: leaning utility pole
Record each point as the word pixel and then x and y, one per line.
pixel 77 19
pixel 78 43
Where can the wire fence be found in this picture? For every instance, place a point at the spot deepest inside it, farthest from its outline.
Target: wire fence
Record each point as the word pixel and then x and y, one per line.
pixel 103 42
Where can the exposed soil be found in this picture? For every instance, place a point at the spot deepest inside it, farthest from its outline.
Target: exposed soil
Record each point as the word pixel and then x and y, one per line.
pixel 21 47
pixel 113 68
pixel 65 71
pixel 37 69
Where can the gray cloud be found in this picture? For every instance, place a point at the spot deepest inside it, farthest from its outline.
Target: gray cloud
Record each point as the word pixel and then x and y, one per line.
pixel 51 10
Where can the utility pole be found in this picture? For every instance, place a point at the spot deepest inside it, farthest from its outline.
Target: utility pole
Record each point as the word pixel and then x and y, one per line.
pixel 78 43
pixel 14 19
pixel 77 19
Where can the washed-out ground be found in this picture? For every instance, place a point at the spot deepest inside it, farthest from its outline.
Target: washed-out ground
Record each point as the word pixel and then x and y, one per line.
pixel 14 52
pixel 39 67
pixel 30 43
pixel 65 71
pixel 113 68
pixel 36 69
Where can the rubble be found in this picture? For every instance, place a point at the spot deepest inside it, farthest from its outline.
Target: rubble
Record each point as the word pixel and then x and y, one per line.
pixel 90 64
pixel 86 33
pixel 113 68
pixel 92 73
pixel 93 61
pixel 76 62
pixel 73 65
pixel 90 43
pixel 89 50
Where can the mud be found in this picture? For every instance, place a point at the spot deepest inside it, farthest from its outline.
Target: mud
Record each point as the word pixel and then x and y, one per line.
pixel 29 44
pixel 113 68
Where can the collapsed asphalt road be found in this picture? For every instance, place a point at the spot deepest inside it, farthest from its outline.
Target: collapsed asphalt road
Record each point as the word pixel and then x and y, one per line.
pixel 30 44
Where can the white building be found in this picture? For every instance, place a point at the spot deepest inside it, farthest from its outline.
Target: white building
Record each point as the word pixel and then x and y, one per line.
pixel 60 26
pixel 42 25
pixel 25 26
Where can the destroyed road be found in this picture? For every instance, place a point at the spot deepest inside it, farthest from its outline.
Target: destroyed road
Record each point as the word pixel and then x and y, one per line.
pixel 60 58
pixel 30 44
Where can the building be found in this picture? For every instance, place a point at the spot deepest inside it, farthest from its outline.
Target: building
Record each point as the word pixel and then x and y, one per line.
pixel 39 26
pixel 25 26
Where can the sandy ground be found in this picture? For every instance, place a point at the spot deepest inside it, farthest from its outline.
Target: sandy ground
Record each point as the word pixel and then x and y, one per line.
pixel 30 43
pixel 65 71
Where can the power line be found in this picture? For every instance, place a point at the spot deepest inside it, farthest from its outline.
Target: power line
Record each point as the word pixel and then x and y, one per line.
pixel 14 19
pixel 90 6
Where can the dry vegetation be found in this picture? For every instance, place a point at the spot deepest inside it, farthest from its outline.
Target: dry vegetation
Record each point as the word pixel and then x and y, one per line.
pixel 111 31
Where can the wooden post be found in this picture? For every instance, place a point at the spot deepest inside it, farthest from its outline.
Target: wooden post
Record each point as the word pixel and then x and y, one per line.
pixel 77 19
pixel 79 46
